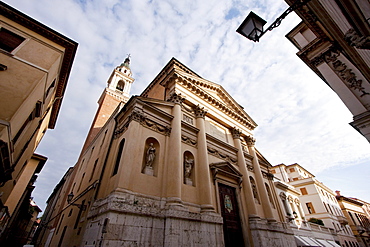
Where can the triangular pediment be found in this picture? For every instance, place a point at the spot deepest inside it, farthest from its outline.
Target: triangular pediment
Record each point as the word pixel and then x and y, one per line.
pixel 225 169
pixel 212 92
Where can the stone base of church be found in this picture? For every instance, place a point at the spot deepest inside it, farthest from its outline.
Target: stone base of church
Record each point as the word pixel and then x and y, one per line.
pixel 271 234
pixel 128 219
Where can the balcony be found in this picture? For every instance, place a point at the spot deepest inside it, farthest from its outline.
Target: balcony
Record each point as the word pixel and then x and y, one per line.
pixel 342 220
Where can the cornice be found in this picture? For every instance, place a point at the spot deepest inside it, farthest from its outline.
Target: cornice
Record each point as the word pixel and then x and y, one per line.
pixel 234 112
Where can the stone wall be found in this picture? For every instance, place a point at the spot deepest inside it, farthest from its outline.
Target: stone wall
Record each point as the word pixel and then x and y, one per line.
pixel 128 219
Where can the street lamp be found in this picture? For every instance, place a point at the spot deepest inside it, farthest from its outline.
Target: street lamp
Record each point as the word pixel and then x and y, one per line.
pixel 252 26
pixel 69 200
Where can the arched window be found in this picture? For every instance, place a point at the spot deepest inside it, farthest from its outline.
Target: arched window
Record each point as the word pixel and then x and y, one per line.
pixel 254 189
pixel 269 195
pixel 120 85
pixel 118 157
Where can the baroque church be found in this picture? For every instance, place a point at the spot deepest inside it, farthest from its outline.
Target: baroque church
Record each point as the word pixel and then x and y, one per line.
pixel 175 166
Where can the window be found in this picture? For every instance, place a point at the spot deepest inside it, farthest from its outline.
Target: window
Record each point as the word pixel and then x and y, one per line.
pixel 52 85
pixel 93 170
pixel 118 158
pixel 82 179
pixel 303 191
pixel 310 208
pixel 120 86
pixel 273 171
pixel 295 179
pixel 291 170
pixel 9 40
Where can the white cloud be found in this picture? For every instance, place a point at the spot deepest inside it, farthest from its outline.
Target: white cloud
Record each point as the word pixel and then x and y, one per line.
pixel 300 118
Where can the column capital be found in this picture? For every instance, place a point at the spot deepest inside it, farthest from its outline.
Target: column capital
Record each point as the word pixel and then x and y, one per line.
pixel 250 141
pixel 199 112
pixel 236 133
pixel 176 98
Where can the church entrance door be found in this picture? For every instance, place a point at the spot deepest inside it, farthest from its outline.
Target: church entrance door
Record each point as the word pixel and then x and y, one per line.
pixel 230 213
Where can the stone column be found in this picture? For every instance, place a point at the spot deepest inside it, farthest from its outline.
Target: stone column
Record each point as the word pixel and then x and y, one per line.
pixel 247 189
pixel 259 180
pixel 202 165
pixel 174 164
pixel 288 211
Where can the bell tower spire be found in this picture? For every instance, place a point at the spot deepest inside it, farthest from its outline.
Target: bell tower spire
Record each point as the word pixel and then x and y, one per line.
pixel 120 81
pixel 117 91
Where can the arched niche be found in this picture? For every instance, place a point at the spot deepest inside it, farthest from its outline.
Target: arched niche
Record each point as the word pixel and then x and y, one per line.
pixel 150 157
pixel 188 168
pixel 254 190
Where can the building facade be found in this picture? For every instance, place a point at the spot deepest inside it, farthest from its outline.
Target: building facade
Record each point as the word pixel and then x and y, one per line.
pixel 358 220
pixel 318 202
pixel 175 166
pixel 35 62
pixel 333 40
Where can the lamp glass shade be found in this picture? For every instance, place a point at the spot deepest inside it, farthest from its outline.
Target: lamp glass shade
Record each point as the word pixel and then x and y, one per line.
pixel 252 27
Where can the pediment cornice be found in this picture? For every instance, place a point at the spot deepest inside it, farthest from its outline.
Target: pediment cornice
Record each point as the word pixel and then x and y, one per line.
pixel 225 104
pixel 177 73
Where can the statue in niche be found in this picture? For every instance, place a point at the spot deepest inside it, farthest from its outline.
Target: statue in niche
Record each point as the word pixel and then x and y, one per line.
pixel 150 155
pixel 188 166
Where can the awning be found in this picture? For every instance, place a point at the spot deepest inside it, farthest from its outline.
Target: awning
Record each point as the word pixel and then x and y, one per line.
pixel 311 242
pixel 300 242
pixel 333 243
pixel 324 243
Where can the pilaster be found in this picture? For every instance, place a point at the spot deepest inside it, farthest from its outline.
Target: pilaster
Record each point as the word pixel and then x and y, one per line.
pixel 174 164
pixel 259 180
pixel 247 189
pixel 203 171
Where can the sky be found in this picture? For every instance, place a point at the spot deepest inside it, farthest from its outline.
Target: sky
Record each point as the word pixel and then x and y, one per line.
pixel 300 119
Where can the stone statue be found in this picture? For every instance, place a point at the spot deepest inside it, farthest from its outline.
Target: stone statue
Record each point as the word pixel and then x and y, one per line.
pixel 188 166
pixel 150 155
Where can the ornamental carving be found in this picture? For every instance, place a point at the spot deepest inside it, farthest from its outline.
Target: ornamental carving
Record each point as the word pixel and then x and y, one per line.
pixel 348 76
pixel 250 141
pixel 199 112
pixel 250 168
pixel 282 195
pixel 354 39
pixel 164 130
pixel 296 201
pixel 188 140
pixel 290 199
pixel 176 98
pixel 236 133
pixel 221 155
pixel 139 116
pixel 341 69
pixel 267 175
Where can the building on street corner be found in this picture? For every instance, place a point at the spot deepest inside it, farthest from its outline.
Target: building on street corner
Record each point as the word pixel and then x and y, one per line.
pixel 35 63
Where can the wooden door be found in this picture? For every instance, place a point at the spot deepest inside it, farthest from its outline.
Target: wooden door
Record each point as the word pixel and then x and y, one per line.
pixel 230 213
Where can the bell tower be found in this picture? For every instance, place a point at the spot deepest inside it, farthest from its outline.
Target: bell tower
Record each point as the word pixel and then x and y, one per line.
pixel 117 91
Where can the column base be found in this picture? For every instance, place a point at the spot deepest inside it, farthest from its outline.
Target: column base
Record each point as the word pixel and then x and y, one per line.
pixel 254 217
pixel 207 208
pixel 174 203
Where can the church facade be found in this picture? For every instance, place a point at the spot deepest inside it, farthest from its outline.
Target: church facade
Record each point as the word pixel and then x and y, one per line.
pixel 175 166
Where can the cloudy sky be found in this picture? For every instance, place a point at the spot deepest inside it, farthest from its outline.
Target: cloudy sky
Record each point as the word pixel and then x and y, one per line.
pixel 300 119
